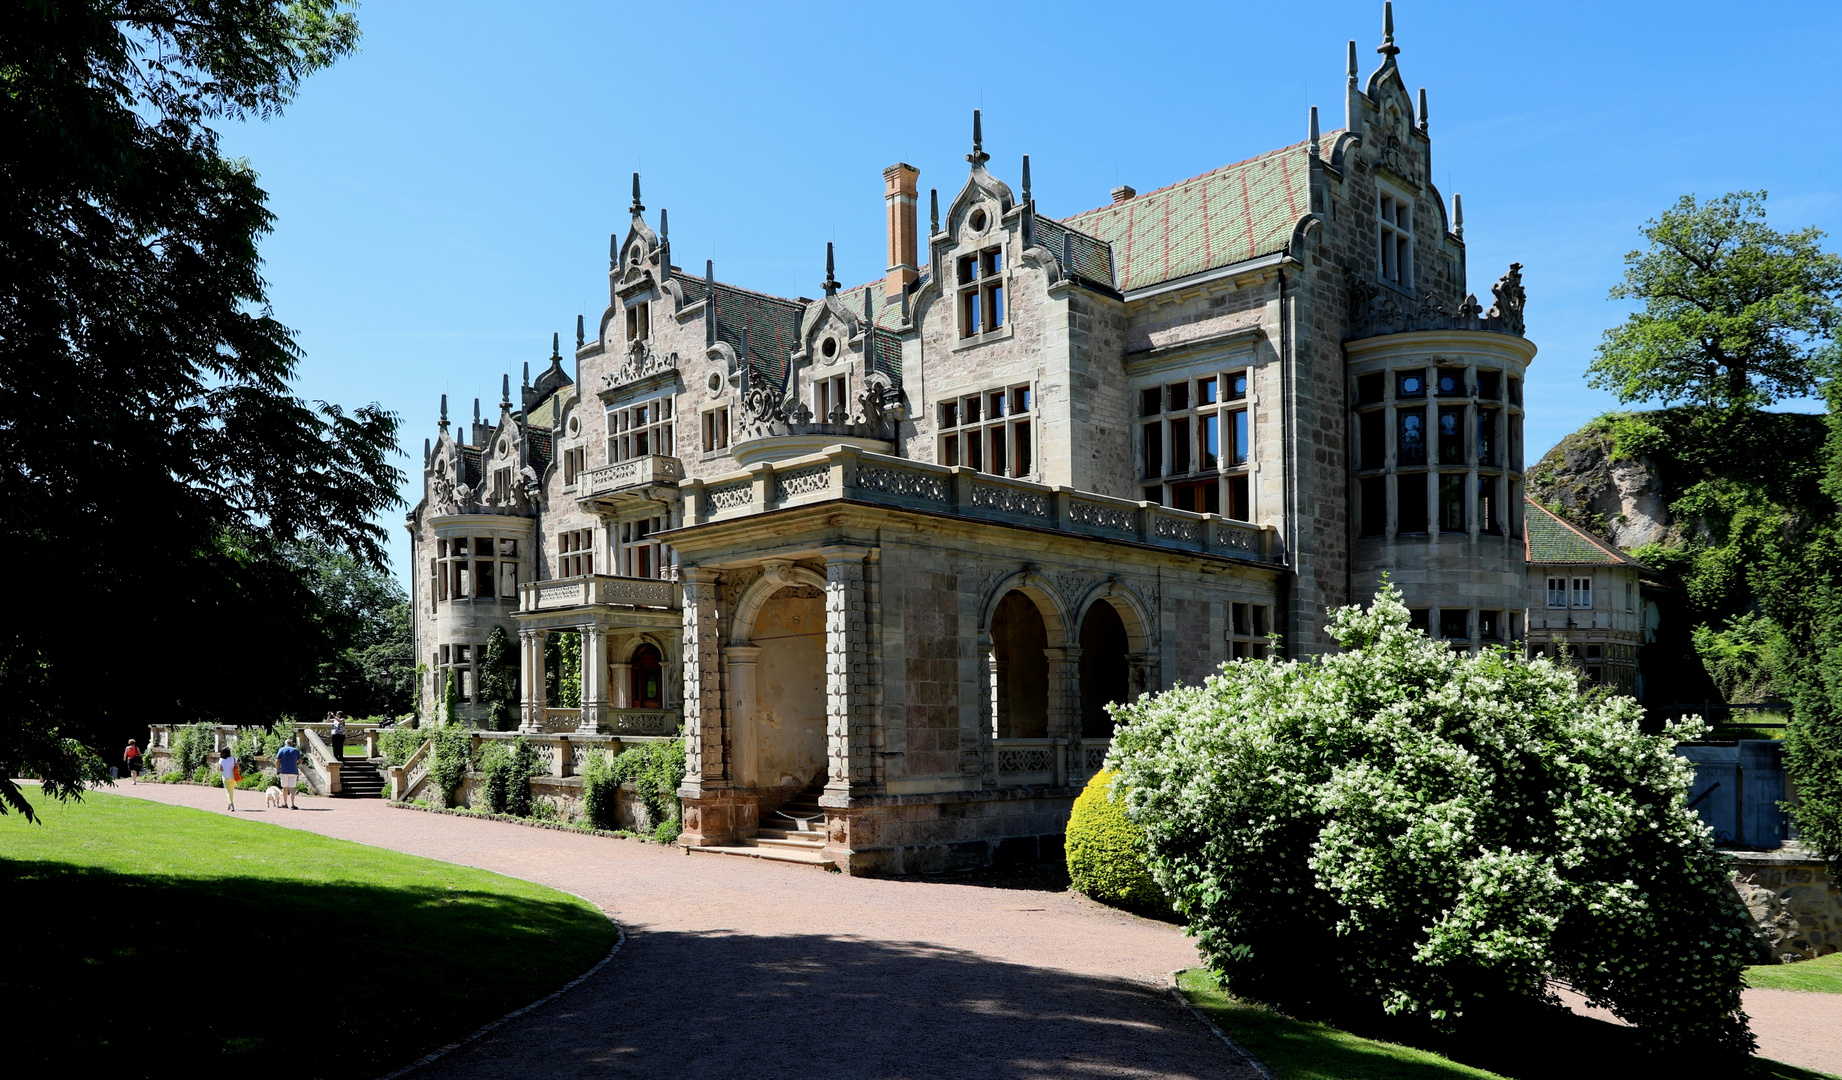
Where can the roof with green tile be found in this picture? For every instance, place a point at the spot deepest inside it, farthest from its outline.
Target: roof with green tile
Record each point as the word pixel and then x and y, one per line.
pixel 1550 540
pixel 1235 213
pixel 769 324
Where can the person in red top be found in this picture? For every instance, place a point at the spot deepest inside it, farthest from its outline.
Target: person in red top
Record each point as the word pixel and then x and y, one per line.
pixel 131 757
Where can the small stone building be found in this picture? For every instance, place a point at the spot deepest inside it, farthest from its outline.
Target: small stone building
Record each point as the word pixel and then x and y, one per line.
pixel 1586 601
pixel 891 551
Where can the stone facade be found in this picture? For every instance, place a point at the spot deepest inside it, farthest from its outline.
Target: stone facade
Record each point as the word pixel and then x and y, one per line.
pixel 901 544
pixel 1793 899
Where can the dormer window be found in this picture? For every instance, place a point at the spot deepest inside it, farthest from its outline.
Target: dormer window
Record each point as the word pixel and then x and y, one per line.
pixel 639 322
pixel 829 401
pixel 981 292
pixel 1395 224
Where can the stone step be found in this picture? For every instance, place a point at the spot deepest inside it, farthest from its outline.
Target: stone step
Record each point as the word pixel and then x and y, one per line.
pixel 816 844
pixel 808 856
pixel 779 832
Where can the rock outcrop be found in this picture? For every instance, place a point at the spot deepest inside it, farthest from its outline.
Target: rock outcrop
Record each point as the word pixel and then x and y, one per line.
pixel 1622 501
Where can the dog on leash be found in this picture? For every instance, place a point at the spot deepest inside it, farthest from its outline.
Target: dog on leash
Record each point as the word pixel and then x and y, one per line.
pixel 274 795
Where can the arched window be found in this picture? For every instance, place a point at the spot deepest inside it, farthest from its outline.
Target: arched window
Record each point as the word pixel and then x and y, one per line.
pixel 648 679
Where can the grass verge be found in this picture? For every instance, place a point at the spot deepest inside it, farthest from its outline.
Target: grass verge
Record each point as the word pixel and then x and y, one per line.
pixel 1538 1046
pixel 1821 976
pixel 161 934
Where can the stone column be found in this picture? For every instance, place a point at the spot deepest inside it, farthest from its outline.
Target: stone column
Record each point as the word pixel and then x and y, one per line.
pixel 594 677
pixel 849 716
pixel 714 814
pixel 739 695
pixel 532 692
pixel 1065 706
pixel 1138 675
pixel 1000 697
pixel 988 713
pixel 621 676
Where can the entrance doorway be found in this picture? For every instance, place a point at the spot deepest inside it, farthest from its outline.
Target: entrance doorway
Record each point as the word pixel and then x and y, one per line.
pixel 1018 638
pixel 1105 674
pixel 648 678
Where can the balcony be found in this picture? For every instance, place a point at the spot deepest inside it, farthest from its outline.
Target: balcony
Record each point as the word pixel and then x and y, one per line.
pixel 639 477
pixel 593 589
pixel 848 474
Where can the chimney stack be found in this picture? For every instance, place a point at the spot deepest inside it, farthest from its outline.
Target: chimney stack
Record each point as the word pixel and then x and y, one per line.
pixel 1123 193
pixel 899 198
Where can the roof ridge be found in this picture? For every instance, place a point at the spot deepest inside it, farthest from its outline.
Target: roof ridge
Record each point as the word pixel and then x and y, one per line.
pixel 751 292
pixel 1577 531
pixel 1325 137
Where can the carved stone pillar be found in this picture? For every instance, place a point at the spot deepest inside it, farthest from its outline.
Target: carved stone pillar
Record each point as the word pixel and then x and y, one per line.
pixel 594 677
pixel 621 682
pixel 1137 676
pixel 1064 713
pixel 714 813
pixel 739 688
pixel 849 682
pixel 532 692
pixel 988 714
pixel 1000 698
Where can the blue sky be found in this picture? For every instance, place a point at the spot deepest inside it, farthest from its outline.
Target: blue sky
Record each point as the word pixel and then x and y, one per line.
pixel 444 197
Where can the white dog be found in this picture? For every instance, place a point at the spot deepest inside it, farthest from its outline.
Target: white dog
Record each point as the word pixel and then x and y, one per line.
pixel 274 795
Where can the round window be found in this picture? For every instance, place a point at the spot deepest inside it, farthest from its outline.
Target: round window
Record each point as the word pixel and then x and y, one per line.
pixel 441 467
pixel 502 445
pixel 977 221
pixel 575 425
pixel 829 347
pixel 716 383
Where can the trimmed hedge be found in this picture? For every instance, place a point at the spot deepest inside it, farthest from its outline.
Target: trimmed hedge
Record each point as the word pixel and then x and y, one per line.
pixel 1106 850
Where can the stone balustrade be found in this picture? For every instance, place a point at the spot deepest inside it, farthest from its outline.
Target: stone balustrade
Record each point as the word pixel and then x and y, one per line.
pixel 629 475
pixel 594 589
pixel 844 473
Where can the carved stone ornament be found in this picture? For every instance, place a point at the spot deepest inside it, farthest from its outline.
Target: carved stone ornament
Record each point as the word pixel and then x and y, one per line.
pixel 642 362
pixel 1375 311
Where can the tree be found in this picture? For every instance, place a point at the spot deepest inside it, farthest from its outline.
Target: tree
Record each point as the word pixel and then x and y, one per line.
pixel 1810 607
pixel 1735 313
pixel 499 680
pixel 155 467
pixel 1396 828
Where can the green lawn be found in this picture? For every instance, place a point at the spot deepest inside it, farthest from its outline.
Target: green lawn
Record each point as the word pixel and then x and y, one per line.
pixel 1536 1047
pixel 156 937
pixel 1822 975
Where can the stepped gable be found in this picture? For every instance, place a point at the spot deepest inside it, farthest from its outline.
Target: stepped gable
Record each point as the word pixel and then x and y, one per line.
pixel 770 324
pixel 1235 213
pixel 1549 540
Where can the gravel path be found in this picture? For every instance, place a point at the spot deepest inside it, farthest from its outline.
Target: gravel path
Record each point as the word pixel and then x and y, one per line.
pixel 739 967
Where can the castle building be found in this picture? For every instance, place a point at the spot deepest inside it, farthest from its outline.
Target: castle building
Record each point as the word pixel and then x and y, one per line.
pixel 891 551
pixel 1588 602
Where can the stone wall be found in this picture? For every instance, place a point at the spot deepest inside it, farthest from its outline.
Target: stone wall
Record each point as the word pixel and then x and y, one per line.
pixel 1794 899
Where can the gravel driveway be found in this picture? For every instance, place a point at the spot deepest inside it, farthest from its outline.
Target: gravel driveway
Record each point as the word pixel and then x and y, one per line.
pixel 738 967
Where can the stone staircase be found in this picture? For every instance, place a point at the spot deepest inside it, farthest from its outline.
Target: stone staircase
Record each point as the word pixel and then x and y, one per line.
pixel 360 779
pixel 793 833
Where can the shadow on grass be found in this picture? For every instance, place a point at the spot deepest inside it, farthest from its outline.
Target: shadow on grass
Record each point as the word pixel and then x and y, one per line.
pixel 145 973
pixel 821 1006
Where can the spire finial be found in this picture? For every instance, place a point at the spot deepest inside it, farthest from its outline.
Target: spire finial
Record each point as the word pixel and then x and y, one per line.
pixel 526 384
pixel 505 390
pixel 581 333
pixel 1352 61
pixel 444 412
pixel 613 251
pixel 476 412
pixel 1458 215
pixel 1314 131
pixel 665 226
pixel 1387 47
pixel 556 345
pixel 709 303
pixel 1026 179
pixel 978 156
pixel 933 211
pixel 1423 108
pixel 831 277
pixel 427 452
pixel 636 209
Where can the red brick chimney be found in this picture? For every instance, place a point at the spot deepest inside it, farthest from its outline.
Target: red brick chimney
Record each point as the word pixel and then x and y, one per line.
pixel 899 197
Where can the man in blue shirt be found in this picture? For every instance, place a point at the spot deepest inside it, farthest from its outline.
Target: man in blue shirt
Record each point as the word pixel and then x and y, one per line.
pixel 288 768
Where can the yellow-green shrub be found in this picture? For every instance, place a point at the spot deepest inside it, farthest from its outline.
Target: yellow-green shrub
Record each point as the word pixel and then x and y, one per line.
pixel 1106 850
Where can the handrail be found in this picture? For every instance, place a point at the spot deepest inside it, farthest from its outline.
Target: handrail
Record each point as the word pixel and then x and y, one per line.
pixel 320 756
pixel 406 779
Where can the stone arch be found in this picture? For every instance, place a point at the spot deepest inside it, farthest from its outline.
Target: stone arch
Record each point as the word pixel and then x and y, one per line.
pixel 1020 668
pixel 1115 640
pixel 747 609
pixel 776 683
pixel 1048 604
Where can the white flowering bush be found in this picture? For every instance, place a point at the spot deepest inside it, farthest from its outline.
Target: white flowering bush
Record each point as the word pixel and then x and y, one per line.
pixel 1403 828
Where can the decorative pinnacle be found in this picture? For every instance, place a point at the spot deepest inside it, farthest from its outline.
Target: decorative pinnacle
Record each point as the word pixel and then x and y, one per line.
pixel 613 251
pixel 1423 108
pixel 1458 215
pixel 581 332
pixel 556 345
pixel 1314 131
pixel 933 211
pixel 1352 61
pixel 427 452
pixel 505 390
pixel 1026 179
pixel 444 412
pixel 665 226
pixel 636 209
pixel 978 155
pixel 1387 47
pixel 830 283
pixel 526 384
pixel 476 410
pixel 709 303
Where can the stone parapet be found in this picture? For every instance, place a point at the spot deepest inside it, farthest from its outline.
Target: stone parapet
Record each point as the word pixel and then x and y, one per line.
pixel 1794 899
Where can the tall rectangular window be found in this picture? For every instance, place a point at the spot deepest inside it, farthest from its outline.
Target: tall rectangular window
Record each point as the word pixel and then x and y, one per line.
pixel 981 292
pixel 1372 439
pixel 1240 506
pixel 1180 446
pixel 716 430
pixel 1395 228
pixel 1410 497
pixel 1410 440
pixel 1373 513
pixel 1152 444
pixel 640 430
pixel 1487 505
pixel 1487 438
pixel 1208 440
pixel 1238 449
pixel 989 431
pixel 1583 592
pixel 1557 592
pixel 1451 436
pixel 1451 502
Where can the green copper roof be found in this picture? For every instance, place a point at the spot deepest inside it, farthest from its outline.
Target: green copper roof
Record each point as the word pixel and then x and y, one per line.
pixel 1551 540
pixel 1236 213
